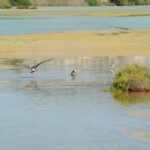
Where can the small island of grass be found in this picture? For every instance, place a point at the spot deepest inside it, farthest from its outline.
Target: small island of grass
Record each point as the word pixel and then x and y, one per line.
pixel 133 78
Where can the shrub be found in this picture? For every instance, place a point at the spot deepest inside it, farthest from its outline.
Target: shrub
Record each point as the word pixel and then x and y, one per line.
pixel 120 2
pixel 21 2
pixel 93 2
pixel 132 78
pixel 5 4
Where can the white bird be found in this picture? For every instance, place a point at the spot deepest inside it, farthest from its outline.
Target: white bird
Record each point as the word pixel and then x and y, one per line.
pixel 34 68
pixel 112 67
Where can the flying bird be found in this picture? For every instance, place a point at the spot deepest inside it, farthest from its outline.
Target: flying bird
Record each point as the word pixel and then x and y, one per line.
pixel 34 68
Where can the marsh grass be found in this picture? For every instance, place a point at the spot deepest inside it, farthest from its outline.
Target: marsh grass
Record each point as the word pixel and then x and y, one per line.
pixel 131 77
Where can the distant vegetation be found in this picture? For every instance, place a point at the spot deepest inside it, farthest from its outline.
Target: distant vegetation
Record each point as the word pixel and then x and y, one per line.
pixel 130 2
pixel 5 4
pixel 21 4
pixel 93 2
pixel 27 3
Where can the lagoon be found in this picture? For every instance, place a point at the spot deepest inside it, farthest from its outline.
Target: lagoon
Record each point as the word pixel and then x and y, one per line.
pixel 51 110
pixel 42 24
pixel 46 19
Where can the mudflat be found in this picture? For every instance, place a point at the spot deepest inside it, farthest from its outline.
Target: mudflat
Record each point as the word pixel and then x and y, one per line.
pixel 77 43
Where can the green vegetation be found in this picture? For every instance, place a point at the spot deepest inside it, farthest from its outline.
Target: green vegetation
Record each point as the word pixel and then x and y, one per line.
pixel 21 4
pixel 93 2
pixel 5 4
pixel 131 85
pixel 132 78
pixel 131 2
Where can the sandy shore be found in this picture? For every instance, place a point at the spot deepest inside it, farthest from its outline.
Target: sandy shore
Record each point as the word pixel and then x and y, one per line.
pixel 77 43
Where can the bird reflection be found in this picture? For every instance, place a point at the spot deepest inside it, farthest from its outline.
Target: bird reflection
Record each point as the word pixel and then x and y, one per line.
pixel 32 85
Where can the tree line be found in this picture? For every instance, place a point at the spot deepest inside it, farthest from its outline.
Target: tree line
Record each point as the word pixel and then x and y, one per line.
pixel 19 3
pixel 27 3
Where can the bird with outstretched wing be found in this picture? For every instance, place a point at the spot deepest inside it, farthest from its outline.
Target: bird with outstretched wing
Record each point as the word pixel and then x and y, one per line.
pixel 34 67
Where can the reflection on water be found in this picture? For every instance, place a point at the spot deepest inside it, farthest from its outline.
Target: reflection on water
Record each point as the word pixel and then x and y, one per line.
pixel 128 98
pixel 49 109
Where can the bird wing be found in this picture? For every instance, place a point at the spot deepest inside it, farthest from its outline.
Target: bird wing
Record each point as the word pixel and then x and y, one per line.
pixel 27 66
pixel 35 66
pixel 112 67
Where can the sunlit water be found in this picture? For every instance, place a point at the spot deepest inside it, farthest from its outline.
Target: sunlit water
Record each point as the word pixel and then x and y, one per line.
pixel 11 25
pixel 51 110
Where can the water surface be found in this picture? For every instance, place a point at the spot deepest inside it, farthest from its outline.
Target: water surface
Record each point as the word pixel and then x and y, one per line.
pixel 28 24
pixel 52 110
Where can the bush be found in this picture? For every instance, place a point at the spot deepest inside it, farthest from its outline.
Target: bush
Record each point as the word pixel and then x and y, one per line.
pixel 120 2
pixel 5 4
pixel 21 2
pixel 93 2
pixel 132 78
pixel 130 2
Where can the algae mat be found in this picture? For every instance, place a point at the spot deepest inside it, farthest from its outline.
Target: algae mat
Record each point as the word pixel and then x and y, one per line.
pixel 77 43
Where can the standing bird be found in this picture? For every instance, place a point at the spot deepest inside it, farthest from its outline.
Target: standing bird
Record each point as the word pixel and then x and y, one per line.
pixel 74 73
pixel 111 69
pixel 34 68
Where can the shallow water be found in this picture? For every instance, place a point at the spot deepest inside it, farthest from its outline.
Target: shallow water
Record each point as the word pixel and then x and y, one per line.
pixel 38 24
pixel 50 110
pixel 12 25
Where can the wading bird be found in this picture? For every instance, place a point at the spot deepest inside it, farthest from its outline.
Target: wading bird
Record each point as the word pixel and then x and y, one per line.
pixel 74 73
pixel 111 69
pixel 34 68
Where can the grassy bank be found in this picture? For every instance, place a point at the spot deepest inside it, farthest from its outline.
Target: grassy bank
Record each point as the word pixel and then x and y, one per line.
pixel 77 43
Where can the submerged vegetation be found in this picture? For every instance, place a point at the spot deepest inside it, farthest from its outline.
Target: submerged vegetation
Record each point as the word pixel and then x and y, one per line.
pixel 133 78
